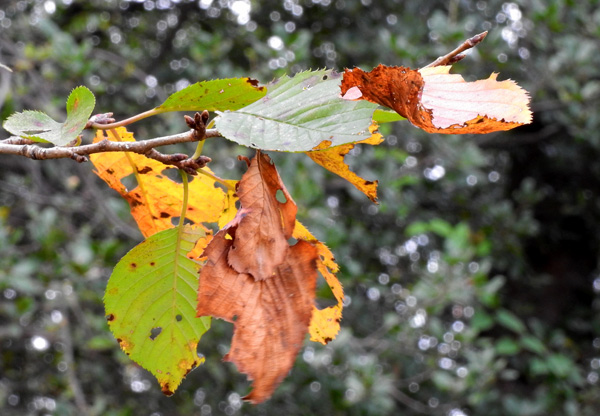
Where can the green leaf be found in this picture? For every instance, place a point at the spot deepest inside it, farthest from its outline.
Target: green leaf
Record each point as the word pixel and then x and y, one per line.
pixel 150 305
pixel 560 365
pixel 40 127
pixel 533 344
pixel 481 321
pixel 218 94
pixel 510 320
pixel 298 114
pixel 507 346
pixel 386 116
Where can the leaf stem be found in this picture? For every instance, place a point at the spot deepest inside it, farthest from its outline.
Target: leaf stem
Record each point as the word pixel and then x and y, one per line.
pixel 127 121
pixel 198 151
pixel 184 205
pixel 217 179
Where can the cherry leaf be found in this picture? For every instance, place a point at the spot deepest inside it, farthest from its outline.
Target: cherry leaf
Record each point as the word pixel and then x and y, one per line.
pixel 254 278
pixel 40 127
pixel 149 304
pixel 332 159
pixel 154 198
pixel 298 114
pixel 218 94
pixel 324 323
pixel 439 102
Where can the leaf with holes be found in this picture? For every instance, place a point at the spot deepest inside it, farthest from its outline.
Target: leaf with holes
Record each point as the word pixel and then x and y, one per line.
pixel 154 198
pixel 218 94
pixel 298 114
pixel 150 305
pixel 253 277
pixel 38 126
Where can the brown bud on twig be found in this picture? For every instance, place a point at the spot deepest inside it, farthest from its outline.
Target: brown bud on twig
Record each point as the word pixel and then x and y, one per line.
pixel 198 124
pixel 104 118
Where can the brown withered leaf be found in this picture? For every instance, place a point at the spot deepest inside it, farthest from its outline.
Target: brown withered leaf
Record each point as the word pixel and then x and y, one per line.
pixel 268 295
pixel 439 102
pixel 267 223
pixel 270 316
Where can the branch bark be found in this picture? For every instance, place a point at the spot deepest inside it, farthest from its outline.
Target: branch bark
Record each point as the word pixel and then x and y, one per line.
pixel 26 148
pixel 457 54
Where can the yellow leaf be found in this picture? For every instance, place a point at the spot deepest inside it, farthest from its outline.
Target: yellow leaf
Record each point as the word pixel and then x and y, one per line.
pixel 156 199
pixel 325 323
pixel 332 159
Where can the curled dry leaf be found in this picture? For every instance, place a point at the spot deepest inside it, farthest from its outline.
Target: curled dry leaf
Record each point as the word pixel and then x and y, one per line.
pixel 439 102
pixel 254 278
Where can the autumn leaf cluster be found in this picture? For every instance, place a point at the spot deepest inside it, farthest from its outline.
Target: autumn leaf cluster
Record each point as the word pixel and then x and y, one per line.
pixel 259 270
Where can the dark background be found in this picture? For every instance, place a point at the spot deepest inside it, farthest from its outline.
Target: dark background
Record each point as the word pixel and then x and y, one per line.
pixel 473 287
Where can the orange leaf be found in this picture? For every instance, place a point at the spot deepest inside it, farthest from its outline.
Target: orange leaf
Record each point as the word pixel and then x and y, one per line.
pixel 265 224
pixel 332 159
pixel 325 323
pixel 440 102
pixel 254 278
pixel 270 316
pixel 156 199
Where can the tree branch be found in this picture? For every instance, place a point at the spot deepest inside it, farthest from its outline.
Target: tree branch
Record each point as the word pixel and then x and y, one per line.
pixel 22 147
pixel 456 55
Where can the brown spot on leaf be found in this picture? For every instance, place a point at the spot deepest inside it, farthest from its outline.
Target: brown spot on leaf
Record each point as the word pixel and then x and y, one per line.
pixel 144 170
pixel 165 215
pixel 113 291
pixel 110 317
pixel 166 389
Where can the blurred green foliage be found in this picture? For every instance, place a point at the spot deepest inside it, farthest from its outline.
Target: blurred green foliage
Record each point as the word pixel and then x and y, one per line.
pixel 472 288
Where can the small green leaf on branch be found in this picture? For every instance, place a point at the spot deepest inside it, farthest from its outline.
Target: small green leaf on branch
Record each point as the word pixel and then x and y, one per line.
pixel 40 127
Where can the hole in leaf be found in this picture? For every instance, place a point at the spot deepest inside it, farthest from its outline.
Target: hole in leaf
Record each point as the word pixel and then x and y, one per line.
pixel 212 226
pixel 178 318
pixel 129 181
pixel 175 221
pixel 221 186
pixel 292 241
pixel 154 332
pixel 238 204
pixel 280 196
pixel 174 175
pixel 324 296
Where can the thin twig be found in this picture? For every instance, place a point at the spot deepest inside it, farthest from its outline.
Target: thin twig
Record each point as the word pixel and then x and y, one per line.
pixel 69 358
pixel 457 54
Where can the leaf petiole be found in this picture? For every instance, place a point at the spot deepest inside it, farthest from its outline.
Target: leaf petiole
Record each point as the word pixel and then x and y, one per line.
pixel 184 204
